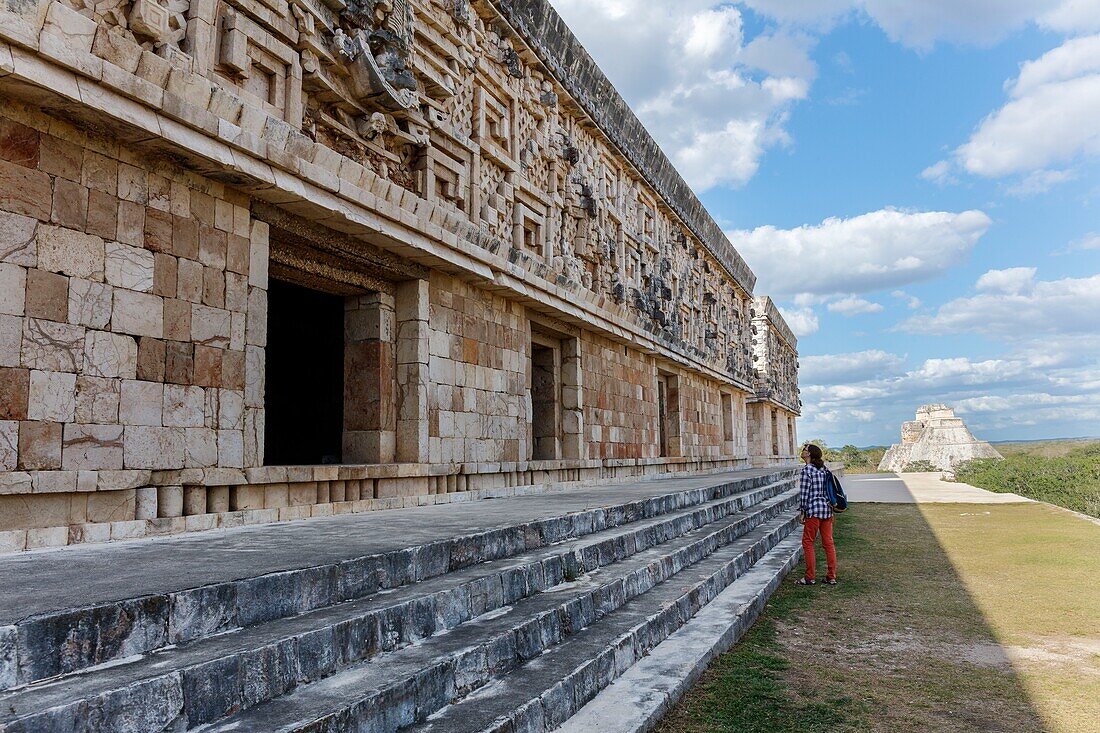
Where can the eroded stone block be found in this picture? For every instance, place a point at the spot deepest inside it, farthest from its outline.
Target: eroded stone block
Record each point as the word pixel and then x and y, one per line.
pixel 110 355
pixel 141 403
pixel 140 314
pixel 129 267
pixel 70 252
pixel 17 239
pixel 96 400
pixel 39 446
pixel 52 397
pixel 92 447
pixel 89 303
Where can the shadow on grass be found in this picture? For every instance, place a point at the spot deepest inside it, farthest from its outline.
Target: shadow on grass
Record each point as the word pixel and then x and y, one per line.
pixel 900 645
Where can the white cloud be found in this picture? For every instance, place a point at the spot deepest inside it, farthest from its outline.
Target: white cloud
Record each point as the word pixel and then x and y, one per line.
pixel 874 251
pixel 921 24
pixel 714 100
pixel 855 367
pixel 1011 281
pixel 802 321
pixel 1014 308
pixel 911 301
pixel 1089 241
pixel 853 305
pixel 939 173
pixel 1039 182
pixel 1050 119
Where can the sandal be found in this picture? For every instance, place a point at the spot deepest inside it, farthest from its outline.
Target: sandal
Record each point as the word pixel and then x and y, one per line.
pixel 829 581
pixel 805 581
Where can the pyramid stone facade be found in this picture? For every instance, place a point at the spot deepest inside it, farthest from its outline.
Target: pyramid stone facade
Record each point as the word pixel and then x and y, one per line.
pixel 938 437
pixel 263 261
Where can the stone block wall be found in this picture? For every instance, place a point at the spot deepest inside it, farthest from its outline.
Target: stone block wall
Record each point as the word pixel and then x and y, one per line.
pixel 129 303
pixel 477 366
pixel 620 400
pixel 492 217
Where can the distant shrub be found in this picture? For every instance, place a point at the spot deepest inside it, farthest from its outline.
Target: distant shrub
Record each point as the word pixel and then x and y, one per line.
pixel 1071 480
pixel 920 467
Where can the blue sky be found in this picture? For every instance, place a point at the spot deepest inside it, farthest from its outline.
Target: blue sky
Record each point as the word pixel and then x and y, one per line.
pixel 916 184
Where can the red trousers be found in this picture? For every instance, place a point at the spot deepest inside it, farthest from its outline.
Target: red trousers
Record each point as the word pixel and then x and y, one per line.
pixel 809 534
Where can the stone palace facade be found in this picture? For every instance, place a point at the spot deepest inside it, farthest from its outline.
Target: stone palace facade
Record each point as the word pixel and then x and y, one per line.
pixel 271 259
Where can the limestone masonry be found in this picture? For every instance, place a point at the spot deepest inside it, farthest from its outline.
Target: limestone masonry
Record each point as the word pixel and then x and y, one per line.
pixel 938 437
pixel 264 260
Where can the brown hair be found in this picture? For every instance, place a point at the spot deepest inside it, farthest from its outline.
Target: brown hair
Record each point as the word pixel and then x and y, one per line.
pixel 816 457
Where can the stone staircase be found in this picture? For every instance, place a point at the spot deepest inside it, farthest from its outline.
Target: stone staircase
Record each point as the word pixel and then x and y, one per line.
pixel 511 629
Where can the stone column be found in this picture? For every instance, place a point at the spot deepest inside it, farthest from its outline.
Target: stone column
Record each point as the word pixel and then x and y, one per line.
pixel 574 445
pixel 412 371
pixel 369 387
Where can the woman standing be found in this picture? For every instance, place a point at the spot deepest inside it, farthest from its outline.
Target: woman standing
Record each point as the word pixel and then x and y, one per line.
pixel 815 514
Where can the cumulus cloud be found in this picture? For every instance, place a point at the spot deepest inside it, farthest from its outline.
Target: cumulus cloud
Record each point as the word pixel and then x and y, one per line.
pixel 999 396
pixel 874 251
pixel 853 305
pixel 939 173
pixel 843 368
pixel 802 321
pixel 1013 306
pixel 911 301
pixel 1012 281
pixel 714 100
pixel 1050 119
pixel 922 24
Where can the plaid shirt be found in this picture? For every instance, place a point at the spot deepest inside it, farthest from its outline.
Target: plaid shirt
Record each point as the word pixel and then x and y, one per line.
pixel 813 501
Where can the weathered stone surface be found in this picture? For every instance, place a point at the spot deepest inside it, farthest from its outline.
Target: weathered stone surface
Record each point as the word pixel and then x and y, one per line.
pixel 17 239
pixel 61 643
pixel 9 446
pixel 139 314
pixel 11 339
pixel 14 393
pixel 936 437
pixel 47 295
pixel 153 447
pixel 13 289
pixel 50 346
pixel 52 397
pixel 70 252
pixel 129 267
pixel 184 407
pixel 97 400
pixel 39 446
pixel 141 403
pixel 110 355
pixel 92 447
pixel 90 303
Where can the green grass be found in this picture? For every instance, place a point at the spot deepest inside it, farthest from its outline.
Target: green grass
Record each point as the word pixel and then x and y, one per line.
pixel 1063 473
pixel 947 618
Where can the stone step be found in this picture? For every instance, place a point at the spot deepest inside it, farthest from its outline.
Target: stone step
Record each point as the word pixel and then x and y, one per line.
pixel 636 701
pixel 58 642
pixel 405 686
pixel 548 691
pixel 319 643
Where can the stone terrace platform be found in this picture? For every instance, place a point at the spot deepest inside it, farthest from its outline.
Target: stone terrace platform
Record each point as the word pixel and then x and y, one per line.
pixel 82 575
pixel 497 615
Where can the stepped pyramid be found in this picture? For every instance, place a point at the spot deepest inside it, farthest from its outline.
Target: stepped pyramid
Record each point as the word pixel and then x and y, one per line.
pixel 936 436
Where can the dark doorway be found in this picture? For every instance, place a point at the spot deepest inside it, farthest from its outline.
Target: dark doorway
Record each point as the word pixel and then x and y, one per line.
pixel 544 402
pixel 662 416
pixel 304 396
